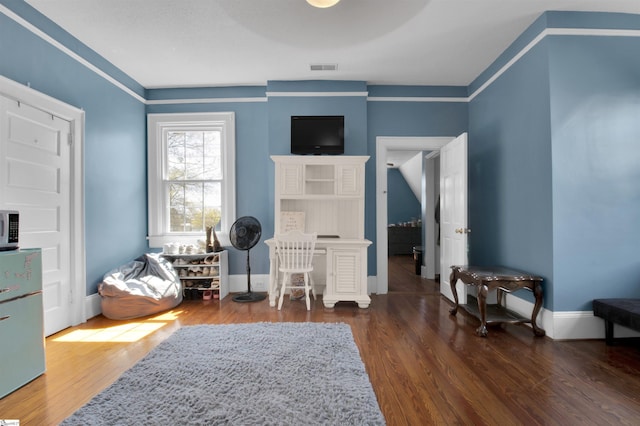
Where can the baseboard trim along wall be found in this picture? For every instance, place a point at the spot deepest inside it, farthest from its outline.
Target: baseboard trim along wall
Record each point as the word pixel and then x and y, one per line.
pixel 567 325
pixel 238 283
pixel 92 306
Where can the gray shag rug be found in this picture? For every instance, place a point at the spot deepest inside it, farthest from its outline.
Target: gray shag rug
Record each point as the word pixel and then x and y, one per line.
pixel 242 374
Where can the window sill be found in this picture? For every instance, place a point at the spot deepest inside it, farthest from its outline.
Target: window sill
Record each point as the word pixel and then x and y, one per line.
pixel 158 241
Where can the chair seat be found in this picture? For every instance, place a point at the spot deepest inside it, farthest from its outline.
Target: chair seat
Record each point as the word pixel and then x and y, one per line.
pixel 295 270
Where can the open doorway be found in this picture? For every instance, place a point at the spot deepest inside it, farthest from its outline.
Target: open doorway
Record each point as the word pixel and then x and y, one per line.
pixel 405 221
pixel 385 146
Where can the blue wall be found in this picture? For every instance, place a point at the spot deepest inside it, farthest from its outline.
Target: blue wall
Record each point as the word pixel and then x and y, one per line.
pixel 408 118
pixel 281 108
pixel 252 158
pixel 510 210
pixel 402 204
pixel 554 163
pixel 114 138
pixel 263 129
pixel 595 122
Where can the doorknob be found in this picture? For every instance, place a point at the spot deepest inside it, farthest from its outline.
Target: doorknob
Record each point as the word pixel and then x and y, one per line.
pixel 462 230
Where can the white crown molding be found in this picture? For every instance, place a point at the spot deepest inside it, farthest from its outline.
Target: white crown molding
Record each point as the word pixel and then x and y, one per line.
pixel 415 99
pixel 204 101
pixel 546 32
pixel 69 52
pixel 315 94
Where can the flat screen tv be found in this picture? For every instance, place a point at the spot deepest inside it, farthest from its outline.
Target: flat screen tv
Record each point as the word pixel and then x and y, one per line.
pixel 317 134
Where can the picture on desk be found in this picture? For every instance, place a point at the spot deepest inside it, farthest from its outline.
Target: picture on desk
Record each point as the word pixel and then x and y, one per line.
pixel 291 221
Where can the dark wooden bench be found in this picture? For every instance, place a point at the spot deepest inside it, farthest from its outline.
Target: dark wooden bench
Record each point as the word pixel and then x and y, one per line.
pixel 624 312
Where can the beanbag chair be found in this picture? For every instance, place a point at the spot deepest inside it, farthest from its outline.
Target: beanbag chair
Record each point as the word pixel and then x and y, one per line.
pixel 145 286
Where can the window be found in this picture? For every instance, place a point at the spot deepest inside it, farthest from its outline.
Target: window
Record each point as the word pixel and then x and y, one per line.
pixel 191 176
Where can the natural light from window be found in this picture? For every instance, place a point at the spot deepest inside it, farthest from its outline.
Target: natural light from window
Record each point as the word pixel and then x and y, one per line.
pixel 120 333
pixel 193 179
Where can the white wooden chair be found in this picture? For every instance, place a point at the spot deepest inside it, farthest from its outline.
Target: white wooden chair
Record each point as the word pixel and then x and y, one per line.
pixel 295 256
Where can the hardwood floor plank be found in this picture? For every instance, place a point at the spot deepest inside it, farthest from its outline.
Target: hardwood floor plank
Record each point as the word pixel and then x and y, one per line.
pixel 426 366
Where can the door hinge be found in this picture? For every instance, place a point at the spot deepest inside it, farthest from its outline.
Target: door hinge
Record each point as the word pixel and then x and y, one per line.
pixel 70 138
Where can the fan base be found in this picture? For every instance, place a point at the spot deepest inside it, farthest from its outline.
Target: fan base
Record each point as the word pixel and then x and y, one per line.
pixel 249 297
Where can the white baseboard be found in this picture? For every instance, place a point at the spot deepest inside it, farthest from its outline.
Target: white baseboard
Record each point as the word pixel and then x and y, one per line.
pixel 372 284
pixel 238 283
pixel 567 325
pixel 92 306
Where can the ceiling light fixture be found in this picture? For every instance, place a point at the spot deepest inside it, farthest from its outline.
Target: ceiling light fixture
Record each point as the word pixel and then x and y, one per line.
pixel 322 3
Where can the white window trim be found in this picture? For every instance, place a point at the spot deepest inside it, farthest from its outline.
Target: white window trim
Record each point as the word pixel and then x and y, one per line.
pixel 157 234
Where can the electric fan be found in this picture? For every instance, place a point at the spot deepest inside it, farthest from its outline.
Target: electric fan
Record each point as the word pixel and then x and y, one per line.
pixel 245 233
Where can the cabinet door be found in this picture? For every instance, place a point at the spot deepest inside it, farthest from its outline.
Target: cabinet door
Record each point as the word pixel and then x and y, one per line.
pixel 345 265
pixel 350 180
pixel 290 178
pixel 22 336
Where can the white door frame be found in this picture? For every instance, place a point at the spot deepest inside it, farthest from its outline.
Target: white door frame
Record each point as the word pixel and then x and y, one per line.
pixel 75 116
pixel 383 145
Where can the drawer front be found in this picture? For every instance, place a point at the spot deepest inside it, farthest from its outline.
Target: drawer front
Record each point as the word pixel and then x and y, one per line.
pixel 20 273
pixel 22 336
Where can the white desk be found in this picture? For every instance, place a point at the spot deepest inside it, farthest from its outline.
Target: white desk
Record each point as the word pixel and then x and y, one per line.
pixel 341 266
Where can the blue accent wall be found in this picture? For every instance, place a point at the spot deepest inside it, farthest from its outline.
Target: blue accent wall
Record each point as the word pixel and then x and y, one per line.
pixel 252 161
pixel 554 158
pixel 554 164
pixel 407 118
pixel 595 133
pixel 318 101
pixel 402 204
pixel 115 180
pixel 510 171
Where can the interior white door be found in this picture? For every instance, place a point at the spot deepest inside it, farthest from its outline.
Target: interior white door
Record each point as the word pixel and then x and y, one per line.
pixel 35 164
pixel 453 213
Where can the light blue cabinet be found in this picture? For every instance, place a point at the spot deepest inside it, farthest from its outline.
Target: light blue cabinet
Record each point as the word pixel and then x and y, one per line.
pixel 21 319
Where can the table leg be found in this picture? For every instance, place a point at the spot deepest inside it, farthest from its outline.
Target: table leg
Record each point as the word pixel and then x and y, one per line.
pixel 482 307
pixel 452 281
pixel 537 292
pixel 608 332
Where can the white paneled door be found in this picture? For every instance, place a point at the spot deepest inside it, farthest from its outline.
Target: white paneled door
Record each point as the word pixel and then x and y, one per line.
pixel 35 180
pixel 453 213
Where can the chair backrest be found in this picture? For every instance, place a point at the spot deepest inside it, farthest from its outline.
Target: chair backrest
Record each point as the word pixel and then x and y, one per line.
pixel 295 251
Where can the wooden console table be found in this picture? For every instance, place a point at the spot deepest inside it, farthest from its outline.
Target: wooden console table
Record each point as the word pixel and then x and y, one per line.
pixel 505 281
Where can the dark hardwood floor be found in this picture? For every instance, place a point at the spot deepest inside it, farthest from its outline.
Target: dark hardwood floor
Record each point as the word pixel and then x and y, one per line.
pixel 426 367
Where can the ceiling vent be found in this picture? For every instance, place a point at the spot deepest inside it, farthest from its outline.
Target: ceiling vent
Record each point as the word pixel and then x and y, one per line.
pixel 323 67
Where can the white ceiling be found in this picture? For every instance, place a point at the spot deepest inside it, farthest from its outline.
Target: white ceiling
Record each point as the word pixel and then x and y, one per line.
pixel 192 43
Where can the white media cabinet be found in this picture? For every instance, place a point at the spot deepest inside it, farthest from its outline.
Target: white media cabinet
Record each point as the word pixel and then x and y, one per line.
pixel 325 194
